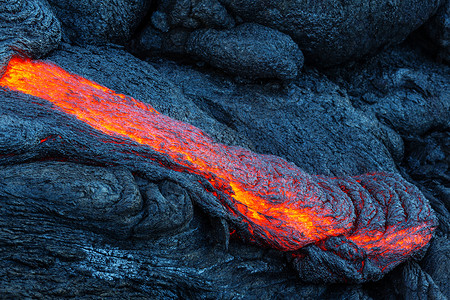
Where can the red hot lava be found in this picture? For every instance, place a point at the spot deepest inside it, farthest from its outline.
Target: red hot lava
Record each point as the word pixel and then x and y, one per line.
pixel 282 206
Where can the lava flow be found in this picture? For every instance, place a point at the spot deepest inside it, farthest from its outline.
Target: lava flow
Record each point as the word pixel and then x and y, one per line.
pixel 282 206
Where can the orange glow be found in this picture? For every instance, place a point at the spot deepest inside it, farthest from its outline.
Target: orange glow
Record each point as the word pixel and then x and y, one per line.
pixel 119 115
pixel 393 240
pixel 283 207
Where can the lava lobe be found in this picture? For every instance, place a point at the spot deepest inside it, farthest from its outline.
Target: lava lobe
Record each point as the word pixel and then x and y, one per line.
pixel 335 229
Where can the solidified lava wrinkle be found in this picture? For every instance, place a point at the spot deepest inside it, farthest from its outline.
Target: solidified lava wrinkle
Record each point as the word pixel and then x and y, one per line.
pixel 283 207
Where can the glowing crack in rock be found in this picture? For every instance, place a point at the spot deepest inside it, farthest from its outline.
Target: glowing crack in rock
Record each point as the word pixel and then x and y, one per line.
pixel 380 216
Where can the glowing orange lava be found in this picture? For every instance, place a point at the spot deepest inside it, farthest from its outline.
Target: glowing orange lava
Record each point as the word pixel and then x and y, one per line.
pixel 283 207
pixel 116 114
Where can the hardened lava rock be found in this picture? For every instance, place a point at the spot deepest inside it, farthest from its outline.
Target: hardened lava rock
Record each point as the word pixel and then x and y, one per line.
pixel 91 197
pixel 437 263
pixel 191 15
pixel 332 31
pixel 410 94
pixel 98 21
pixel 438 29
pixel 106 200
pixel 28 27
pixel 248 50
pixel 206 31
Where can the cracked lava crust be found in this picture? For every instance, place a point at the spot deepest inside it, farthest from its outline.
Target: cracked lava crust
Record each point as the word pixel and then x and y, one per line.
pixel 334 229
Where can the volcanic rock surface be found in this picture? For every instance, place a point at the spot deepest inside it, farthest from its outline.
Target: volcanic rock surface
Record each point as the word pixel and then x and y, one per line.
pixel 328 32
pixel 438 29
pixel 28 27
pixel 99 21
pixel 244 51
pixel 79 220
pixel 331 32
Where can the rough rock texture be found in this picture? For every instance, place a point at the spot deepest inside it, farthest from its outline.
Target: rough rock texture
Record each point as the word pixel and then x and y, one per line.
pixel 115 64
pixel 28 27
pixel 319 121
pixel 79 146
pixel 268 201
pixel 344 257
pixel 401 88
pixel 245 51
pixel 311 123
pixel 438 29
pixel 417 284
pixel 99 199
pixel 185 263
pixel 191 14
pixel 174 20
pixel 79 194
pixel 408 92
pixel 99 21
pixel 437 261
pixel 152 42
pixel 330 32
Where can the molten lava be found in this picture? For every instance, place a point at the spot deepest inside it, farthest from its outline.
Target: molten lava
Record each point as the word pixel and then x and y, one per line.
pixel 281 205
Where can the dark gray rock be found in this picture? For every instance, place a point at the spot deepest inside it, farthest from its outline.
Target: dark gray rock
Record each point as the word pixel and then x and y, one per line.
pixel 172 23
pixel 331 32
pixel 437 262
pixel 168 208
pixel 426 161
pixel 408 92
pixel 340 259
pixel 427 157
pixel 153 42
pixel 176 255
pixel 191 14
pixel 212 14
pixel 99 22
pixel 94 197
pixel 401 88
pixel 414 283
pixel 248 50
pixel 310 122
pixel 26 27
pixel 438 29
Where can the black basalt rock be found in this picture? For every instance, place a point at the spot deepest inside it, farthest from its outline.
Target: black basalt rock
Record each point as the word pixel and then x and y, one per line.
pixel 400 88
pixel 248 50
pixel 331 32
pixel 191 14
pixel 310 122
pixel 99 22
pixel 168 208
pixel 89 234
pixel 27 27
pixel 437 261
pixel 94 198
pixel 108 201
pixel 141 81
pixel 381 209
pixel 438 29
